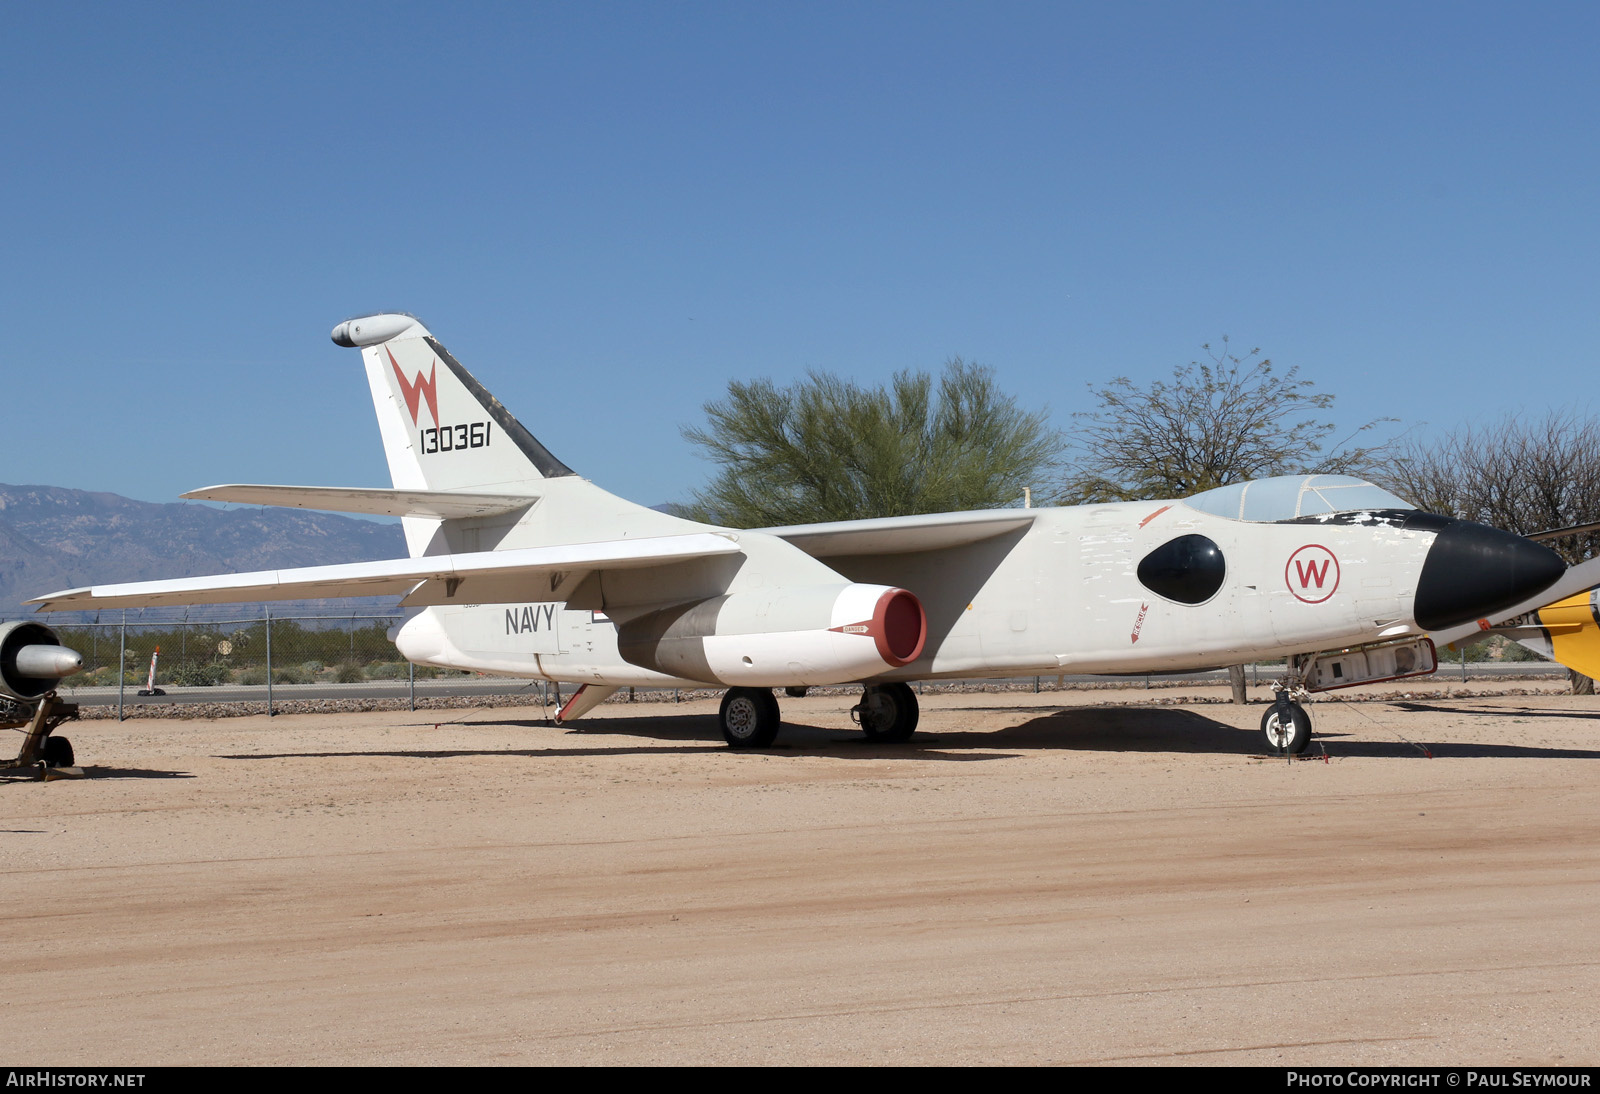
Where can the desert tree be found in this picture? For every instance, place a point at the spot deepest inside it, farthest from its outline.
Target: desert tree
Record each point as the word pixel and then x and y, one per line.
pixel 827 449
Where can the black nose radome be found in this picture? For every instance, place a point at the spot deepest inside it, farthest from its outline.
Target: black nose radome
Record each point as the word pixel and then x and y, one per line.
pixel 1473 571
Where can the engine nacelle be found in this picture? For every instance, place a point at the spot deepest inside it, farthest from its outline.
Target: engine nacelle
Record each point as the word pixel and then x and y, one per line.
pixel 32 662
pixel 781 637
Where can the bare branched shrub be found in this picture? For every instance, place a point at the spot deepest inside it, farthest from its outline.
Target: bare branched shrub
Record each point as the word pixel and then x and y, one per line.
pixel 1225 420
pixel 1525 475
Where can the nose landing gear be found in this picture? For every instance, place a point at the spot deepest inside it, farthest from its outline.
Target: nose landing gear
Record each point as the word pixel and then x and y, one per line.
pixel 1286 726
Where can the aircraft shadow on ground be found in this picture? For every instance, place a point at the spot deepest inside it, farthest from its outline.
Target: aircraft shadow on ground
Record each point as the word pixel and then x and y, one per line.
pixel 1084 729
pixel 94 771
pixel 1079 729
pixel 1142 729
pixel 1110 730
pixel 1443 750
pixel 796 738
pixel 469 753
pixel 1501 713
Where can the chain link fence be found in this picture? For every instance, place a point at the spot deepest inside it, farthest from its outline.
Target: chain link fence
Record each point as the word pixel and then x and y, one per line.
pixel 287 650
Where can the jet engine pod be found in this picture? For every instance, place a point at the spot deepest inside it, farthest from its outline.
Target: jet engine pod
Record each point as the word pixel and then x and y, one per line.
pixel 32 661
pixel 781 637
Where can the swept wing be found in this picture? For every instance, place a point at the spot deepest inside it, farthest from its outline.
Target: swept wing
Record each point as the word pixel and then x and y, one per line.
pixel 432 579
pixel 902 535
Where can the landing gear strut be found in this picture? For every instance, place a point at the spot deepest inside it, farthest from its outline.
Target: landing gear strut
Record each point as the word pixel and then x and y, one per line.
pixel 38 744
pixel 887 712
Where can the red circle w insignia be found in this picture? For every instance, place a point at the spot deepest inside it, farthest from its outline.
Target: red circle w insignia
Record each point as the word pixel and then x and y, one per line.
pixel 1312 573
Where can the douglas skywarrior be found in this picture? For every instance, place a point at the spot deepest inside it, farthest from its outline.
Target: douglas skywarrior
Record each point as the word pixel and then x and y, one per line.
pixel 518 566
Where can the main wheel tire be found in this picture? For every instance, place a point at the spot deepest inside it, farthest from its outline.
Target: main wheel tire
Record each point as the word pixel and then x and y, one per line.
pixel 889 712
pixel 58 752
pixel 1286 739
pixel 749 717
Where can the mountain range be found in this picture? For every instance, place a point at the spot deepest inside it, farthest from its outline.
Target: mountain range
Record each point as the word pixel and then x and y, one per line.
pixel 54 538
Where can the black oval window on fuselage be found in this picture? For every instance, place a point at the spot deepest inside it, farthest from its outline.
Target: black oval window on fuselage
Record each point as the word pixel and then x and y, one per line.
pixel 1188 569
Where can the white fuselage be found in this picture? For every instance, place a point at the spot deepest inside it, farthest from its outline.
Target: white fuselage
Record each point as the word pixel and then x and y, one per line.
pixel 1063 595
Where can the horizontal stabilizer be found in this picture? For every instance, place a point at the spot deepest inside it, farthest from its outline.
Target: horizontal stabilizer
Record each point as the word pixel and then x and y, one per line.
pixel 449 578
pixel 902 535
pixel 445 504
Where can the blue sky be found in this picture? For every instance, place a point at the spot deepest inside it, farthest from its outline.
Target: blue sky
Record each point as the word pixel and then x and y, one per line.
pixel 608 211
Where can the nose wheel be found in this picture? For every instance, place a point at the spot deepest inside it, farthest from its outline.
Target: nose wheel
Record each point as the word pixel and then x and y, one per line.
pixel 1286 726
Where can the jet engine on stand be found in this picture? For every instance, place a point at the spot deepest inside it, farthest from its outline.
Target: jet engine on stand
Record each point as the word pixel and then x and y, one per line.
pixel 32 663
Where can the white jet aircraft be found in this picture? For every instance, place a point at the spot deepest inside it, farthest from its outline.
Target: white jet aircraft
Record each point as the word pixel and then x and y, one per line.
pixel 521 567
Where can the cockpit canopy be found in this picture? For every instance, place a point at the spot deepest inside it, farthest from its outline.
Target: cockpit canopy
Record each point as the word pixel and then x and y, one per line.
pixel 1287 497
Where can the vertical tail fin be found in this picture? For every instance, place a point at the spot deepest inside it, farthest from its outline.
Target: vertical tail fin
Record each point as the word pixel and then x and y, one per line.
pixel 443 432
pixel 441 429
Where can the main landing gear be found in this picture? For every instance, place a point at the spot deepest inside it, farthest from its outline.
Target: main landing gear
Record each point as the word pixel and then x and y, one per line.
pixel 887 712
pixel 749 717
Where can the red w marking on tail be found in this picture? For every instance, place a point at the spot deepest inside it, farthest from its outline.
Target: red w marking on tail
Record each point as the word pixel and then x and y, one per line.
pixel 419 387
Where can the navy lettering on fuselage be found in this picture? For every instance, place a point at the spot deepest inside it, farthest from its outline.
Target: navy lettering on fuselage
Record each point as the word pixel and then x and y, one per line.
pixel 530 619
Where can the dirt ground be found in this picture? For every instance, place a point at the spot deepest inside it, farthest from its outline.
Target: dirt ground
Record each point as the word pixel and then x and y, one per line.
pixel 1092 877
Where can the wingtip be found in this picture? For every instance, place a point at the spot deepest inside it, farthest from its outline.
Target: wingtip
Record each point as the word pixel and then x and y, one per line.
pixel 60 601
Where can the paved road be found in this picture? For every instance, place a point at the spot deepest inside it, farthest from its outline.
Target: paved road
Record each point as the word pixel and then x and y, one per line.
pixel 284 693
